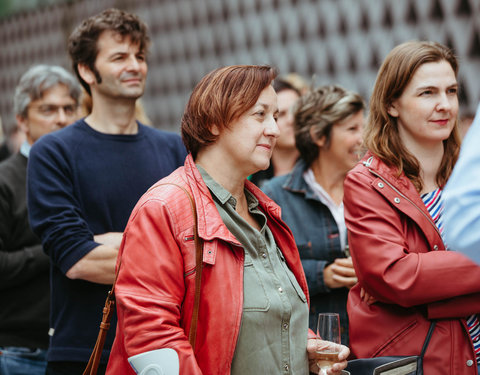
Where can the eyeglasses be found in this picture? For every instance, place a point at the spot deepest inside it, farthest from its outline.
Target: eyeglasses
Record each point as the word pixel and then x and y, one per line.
pixel 50 110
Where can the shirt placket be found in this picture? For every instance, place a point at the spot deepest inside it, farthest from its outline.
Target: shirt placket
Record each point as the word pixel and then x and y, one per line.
pixel 268 257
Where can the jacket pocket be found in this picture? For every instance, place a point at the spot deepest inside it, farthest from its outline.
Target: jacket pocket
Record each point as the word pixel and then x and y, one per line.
pixel 256 299
pixel 391 346
pixel 305 250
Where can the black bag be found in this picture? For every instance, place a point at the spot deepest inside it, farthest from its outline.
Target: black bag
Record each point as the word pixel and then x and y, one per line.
pixel 393 365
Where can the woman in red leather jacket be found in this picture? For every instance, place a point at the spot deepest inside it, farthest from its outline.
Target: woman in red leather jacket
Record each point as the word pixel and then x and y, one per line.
pixel 253 311
pixel 393 210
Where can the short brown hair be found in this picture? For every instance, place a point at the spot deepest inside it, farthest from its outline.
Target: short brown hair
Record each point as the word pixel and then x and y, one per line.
pixel 220 98
pixel 82 44
pixel 381 132
pixel 319 110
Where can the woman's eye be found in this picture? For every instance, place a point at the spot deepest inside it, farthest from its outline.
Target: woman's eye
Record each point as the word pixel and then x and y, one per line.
pixel 452 91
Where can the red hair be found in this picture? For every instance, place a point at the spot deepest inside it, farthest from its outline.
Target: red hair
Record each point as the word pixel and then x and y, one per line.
pixel 220 98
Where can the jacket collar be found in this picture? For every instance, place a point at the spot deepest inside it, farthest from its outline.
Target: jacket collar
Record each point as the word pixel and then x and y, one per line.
pixel 403 189
pixel 216 229
pixel 296 183
pixel 390 174
pixel 207 211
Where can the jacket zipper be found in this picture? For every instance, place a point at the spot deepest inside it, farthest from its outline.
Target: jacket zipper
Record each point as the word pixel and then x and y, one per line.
pixel 405 197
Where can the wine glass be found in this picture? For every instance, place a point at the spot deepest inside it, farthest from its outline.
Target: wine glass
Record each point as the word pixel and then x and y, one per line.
pixel 328 329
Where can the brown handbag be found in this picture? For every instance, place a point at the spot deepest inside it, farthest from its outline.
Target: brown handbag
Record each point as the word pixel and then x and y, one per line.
pixel 94 361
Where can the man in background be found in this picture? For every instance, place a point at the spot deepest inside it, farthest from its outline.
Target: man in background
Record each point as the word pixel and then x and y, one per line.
pixel 12 138
pixel 46 99
pixel 84 180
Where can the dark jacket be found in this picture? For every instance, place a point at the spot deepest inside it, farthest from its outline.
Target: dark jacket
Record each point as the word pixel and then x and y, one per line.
pixel 401 261
pixel 317 238
pixel 24 276
pixel 81 183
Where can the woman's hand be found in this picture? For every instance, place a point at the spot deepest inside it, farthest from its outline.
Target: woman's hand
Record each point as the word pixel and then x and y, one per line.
pixel 367 298
pixel 340 274
pixel 313 345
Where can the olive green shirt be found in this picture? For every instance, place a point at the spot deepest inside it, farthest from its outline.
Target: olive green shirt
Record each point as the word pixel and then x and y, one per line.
pixel 274 326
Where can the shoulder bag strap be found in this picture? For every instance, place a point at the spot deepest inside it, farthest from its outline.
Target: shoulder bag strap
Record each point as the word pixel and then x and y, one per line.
pixel 94 361
pixel 192 335
pixel 427 339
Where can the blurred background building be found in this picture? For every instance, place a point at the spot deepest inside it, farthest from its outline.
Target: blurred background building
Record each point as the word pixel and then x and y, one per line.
pixel 333 41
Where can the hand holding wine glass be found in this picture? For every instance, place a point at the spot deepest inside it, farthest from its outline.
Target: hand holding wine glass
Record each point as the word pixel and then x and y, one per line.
pixel 328 329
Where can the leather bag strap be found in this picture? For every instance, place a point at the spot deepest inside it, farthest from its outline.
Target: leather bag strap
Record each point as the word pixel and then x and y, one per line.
pixel 94 361
pixel 427 339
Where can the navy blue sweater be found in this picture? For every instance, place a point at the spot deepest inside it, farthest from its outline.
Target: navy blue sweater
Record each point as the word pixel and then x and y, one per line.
pixel 81 183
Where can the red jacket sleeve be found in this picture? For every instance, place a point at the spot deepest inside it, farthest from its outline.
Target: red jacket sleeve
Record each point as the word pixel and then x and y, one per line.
pixel 391 255
pixel 151 285
pixel 457 307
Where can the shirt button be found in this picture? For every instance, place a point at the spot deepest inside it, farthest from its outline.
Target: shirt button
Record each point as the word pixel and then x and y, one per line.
pixel 280 290
pixel 285 326
pixel 264 255
pixel 469 363
pixel 396 200
pixel 435 247
pixel 286 367
pixel 381 185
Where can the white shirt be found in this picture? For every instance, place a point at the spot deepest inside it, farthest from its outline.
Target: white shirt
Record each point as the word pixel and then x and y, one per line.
pixel 324 197
pixel 25 149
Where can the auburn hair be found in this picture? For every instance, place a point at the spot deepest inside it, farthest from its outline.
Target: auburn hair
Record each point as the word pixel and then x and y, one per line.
pixel 220 98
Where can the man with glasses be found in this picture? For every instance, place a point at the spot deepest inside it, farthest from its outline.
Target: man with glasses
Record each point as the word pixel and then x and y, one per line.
pixel 84 180
pixel 46 99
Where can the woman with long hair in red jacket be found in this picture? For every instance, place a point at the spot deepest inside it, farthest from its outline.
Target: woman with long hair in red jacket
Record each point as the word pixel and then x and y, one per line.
pixel 393 210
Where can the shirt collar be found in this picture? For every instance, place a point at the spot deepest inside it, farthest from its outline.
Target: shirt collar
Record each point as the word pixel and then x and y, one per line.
pixel 25 149
pixel 222 194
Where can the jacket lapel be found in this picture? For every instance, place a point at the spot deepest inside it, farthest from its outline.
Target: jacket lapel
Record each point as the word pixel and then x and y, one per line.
pixel 402 195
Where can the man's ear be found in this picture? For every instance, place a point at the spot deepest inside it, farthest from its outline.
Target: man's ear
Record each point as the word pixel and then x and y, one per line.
pixel 86 74
pixel 320 142
pixel 392 110
pixel 22 123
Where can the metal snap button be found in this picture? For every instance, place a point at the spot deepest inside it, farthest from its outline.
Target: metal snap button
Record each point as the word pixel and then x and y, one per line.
pixel 435 247
pixel 381 185
pixel 469 363
pixel 396 200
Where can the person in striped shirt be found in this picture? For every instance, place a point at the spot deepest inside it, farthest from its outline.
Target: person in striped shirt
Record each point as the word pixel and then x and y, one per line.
pixel 393 205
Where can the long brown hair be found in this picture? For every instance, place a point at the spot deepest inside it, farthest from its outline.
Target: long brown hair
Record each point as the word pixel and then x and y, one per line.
pixel 381 132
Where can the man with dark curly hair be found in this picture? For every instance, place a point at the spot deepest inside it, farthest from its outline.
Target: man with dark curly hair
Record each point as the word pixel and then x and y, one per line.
pixel 85 180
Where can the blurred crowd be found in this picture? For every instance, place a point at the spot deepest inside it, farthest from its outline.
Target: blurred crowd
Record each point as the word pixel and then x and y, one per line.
pixel 279 201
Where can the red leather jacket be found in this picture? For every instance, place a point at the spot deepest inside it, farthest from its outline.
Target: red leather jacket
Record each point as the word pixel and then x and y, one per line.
pixel 400 259
pixel 155 287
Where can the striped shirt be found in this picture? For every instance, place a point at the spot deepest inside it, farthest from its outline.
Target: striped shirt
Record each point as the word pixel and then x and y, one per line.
pixel 434 203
